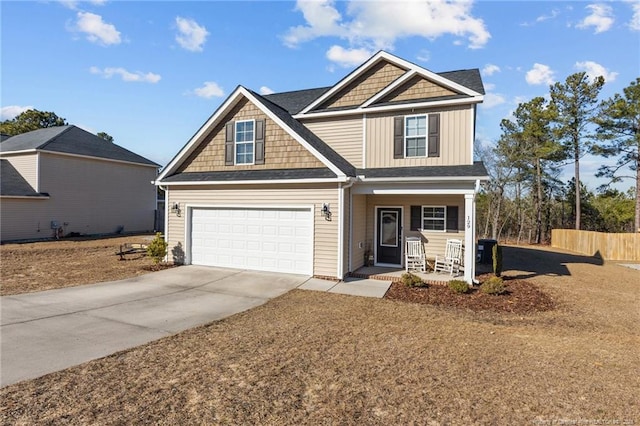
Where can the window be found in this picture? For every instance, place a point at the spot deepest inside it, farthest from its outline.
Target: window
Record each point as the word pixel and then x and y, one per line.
pixel 415 136
pixel 434 218
pixel 244 141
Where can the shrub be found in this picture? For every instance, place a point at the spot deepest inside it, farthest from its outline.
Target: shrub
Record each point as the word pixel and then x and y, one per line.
pixel 493 285
pixel 411 280
pixel 157 248
pixel 496 254
pixel 459 286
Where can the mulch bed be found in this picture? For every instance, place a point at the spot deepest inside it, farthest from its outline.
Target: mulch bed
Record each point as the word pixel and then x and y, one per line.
pixel 521 297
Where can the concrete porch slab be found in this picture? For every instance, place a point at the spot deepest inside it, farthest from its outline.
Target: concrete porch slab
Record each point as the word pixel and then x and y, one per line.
pixel 362 287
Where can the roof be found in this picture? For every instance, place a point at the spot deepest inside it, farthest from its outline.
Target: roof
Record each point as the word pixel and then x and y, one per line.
pixel 476 170
pixel 250 175
pixel 4 137
pixel 71 140
pixel 13 184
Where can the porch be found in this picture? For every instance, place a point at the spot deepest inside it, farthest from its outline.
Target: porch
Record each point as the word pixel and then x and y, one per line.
pixel 394 274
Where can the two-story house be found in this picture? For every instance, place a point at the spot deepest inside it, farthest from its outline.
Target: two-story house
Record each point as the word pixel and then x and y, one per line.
pixel 317 181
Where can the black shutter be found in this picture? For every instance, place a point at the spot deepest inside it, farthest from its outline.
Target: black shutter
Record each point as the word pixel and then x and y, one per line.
pixel 259 148
pixel 228 144
pixel 398 137
pixel 434 135
pixel 452 218
pixel 416 218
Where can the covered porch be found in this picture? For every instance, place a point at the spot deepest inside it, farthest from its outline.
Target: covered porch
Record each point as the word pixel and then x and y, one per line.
pixel 393 274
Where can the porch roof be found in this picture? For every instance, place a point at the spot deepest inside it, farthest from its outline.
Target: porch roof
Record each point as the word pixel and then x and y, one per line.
pixel 476 171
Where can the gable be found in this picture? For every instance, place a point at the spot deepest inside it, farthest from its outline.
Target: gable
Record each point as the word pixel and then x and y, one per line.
pixel 364 86
pixel 281 150
pixel 417 88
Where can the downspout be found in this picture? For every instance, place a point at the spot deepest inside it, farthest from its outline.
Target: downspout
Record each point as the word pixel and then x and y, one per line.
pixel 350 181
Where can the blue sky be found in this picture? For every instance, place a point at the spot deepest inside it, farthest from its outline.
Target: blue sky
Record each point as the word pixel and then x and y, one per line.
pixel 150 73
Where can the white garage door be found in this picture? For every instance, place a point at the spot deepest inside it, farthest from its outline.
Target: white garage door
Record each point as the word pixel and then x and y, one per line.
pixel 277 240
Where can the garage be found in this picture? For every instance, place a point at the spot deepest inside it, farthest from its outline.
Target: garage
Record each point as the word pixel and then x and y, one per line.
pixel 263 239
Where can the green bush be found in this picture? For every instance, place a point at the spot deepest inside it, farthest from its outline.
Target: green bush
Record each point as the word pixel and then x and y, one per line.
pixel 411 280
pixel 157 248
pixel 496 254
pixel 493 285
pixel 459 286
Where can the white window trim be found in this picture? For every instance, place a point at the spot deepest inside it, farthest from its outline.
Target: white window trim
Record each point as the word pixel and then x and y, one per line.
pixel 426 136
pixel 235 143
pixel 444 220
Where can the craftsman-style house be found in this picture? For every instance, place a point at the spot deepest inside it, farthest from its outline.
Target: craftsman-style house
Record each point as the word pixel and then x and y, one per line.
pixel 321 181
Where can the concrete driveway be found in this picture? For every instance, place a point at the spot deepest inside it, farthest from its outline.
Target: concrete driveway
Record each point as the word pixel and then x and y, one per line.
pixel 51 330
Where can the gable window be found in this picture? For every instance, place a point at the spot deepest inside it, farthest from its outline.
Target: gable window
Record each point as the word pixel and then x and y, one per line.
pixel 434 218
pixel 245 138
pixel 415 136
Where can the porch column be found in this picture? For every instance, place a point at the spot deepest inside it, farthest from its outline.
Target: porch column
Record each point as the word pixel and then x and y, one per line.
pixel 469 237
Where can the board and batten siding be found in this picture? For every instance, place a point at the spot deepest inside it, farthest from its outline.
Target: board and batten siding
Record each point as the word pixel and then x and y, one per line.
pixel 456 139
pixel 344 135
pixel 27 166
pixel 96 196
pixel 325 241
pixel 434 241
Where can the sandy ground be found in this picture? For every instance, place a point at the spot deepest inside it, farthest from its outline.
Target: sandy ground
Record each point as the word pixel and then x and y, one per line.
pixel 320 358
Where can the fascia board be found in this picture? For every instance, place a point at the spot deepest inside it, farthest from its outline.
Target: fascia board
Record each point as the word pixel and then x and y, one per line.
pixel 202 131
pixel 373 109
pixel 250 182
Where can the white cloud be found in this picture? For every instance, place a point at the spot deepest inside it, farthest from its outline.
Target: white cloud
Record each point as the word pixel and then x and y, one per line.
pixel 96 30
pixel 377 25
pixel 594 69
pixel 209 90
pixel 126 75
pixel 347 57
pixel 489 86
pixel 12 111
pixel 601 18
pixel 634 23
pixel 264 90
pixel 191 36
pixel 490 69
pixel 540 74
pixel 492 100
pixel 424 55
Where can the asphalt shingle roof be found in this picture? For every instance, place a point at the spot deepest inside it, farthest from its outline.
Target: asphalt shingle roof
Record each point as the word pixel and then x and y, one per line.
pixel 13 184
pixel 71 140
pixel 477 169
pixel 296 101
pixel 240 175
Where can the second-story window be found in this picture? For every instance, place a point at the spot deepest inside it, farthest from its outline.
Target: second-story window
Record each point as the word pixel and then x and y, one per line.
pixel 415 136
pixel 244 141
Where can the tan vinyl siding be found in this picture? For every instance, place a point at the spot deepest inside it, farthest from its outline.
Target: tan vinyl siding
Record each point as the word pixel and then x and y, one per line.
pixel 359 231
pixel 27 166
pixel 417 88
pixel 344 135
pixel 434 242
pixel 281 151
pixel 85 196
pixel 325 244
pixel 455 139
pixel 365 86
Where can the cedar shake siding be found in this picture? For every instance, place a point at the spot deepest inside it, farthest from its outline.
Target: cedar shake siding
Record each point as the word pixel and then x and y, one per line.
pixel 453 147
pixel 344 135
pixel 417 88
pixel 281 151
pixel 325 240
pixel 365 86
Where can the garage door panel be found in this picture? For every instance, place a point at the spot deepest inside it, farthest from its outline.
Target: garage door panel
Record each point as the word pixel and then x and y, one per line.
pixel 279 240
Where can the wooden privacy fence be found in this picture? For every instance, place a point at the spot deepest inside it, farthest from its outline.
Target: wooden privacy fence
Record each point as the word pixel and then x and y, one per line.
pixel 608 246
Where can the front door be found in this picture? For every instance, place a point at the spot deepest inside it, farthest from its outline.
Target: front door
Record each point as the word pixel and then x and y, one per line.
pixel 389 235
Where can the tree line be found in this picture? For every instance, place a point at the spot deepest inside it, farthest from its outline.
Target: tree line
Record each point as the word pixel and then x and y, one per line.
pixel 32 119
pixel 525 198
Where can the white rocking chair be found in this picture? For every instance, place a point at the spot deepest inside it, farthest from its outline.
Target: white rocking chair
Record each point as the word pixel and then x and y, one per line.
pixel 451 260
pixel 414 257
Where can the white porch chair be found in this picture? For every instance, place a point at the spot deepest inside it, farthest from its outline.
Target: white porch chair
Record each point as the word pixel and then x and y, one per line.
pixel 452 259
pixel 414 257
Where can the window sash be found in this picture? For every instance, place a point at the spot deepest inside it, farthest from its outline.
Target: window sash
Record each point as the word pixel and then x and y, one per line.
pixel 415 135
pixel 244 141
pixel 434 218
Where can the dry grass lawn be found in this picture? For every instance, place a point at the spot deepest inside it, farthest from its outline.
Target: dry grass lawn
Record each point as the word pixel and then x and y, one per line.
pixel 320 358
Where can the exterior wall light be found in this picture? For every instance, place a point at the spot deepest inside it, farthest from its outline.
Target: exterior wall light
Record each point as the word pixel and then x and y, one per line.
pixel 326 211
pixel 175 208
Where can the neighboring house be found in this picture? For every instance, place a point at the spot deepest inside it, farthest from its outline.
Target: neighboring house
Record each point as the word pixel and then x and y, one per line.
pixel 313 181
pixel 60 180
